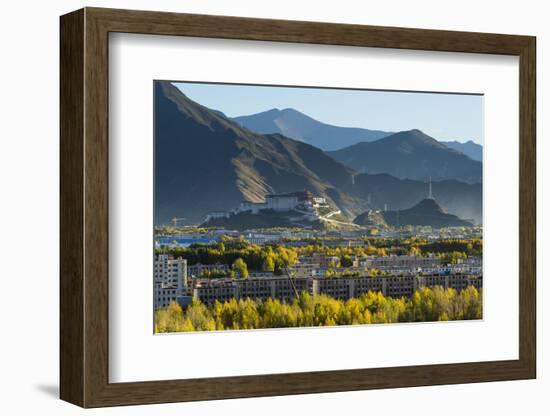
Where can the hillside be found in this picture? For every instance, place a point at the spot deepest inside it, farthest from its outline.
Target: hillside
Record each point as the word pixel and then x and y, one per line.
pixel 426 213
pixel 371 218
pixel 263 219
pixel 410 155
pixel 455 197
pixel 296 125
pixel 205 162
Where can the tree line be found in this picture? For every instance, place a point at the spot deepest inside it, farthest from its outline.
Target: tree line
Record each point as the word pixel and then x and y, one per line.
pixel 240 255
pixel 427 304
pixel 276 257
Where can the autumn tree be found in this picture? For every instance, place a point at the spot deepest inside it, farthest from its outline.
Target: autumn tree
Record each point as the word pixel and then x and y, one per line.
pixel 269 264
pixel 239 267
pixel 426 304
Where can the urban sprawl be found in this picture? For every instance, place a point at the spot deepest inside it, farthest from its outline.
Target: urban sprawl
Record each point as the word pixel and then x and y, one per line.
pixel 398 269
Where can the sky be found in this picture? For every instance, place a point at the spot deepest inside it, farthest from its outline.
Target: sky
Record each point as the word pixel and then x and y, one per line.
pixel 443 116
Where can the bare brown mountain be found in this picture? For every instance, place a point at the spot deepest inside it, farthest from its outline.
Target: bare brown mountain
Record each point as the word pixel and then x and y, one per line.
pixel 205 162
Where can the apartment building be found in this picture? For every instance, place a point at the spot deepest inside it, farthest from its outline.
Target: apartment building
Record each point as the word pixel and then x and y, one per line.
pixel 324 260
pixel 303 269
pixel 285 288
pixel 275 287
pixel 169 280
pixel 400 262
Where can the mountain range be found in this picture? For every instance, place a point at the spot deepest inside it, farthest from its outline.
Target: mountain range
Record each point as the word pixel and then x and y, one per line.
pixel 469 148
pixel 294 124
pixel 207 162
pixel 410 155
pixel 297 125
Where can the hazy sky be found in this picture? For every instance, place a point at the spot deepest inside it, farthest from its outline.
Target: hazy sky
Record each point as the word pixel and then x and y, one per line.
pixel 442 116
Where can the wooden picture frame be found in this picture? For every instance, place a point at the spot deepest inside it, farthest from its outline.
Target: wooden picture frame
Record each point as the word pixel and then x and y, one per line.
pixel 84 207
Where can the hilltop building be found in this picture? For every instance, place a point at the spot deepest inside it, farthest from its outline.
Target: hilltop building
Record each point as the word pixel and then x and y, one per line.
pixel 283 202
pixel 302 201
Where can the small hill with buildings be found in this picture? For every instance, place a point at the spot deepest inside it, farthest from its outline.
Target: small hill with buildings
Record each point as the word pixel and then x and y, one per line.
pixel 426 213
pixel 295 209
pixel 371 218
pixel 388 193
pixel 267 218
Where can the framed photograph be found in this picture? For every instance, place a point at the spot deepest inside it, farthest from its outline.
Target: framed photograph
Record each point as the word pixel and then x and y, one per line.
pixel 257 207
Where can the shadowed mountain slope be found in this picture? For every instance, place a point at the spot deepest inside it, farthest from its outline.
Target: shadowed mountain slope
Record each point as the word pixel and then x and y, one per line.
pixel 410 155
pixel 473 150
pixel 426 213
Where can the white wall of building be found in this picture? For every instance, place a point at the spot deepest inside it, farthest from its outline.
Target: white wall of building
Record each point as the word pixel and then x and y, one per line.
pixel 169 280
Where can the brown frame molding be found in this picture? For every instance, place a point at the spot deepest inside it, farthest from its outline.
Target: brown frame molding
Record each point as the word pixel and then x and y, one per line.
pixel 84 207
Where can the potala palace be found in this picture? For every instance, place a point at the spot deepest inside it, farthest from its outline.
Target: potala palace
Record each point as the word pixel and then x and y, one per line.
pixel 302 202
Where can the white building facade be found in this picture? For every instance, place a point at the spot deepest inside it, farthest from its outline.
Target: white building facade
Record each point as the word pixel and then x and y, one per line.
pixel 170 280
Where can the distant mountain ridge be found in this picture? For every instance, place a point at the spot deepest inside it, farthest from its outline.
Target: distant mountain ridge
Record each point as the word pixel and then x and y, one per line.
pixel 410 155
pixel 472 150
pixel 206 162
pixel 296 125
